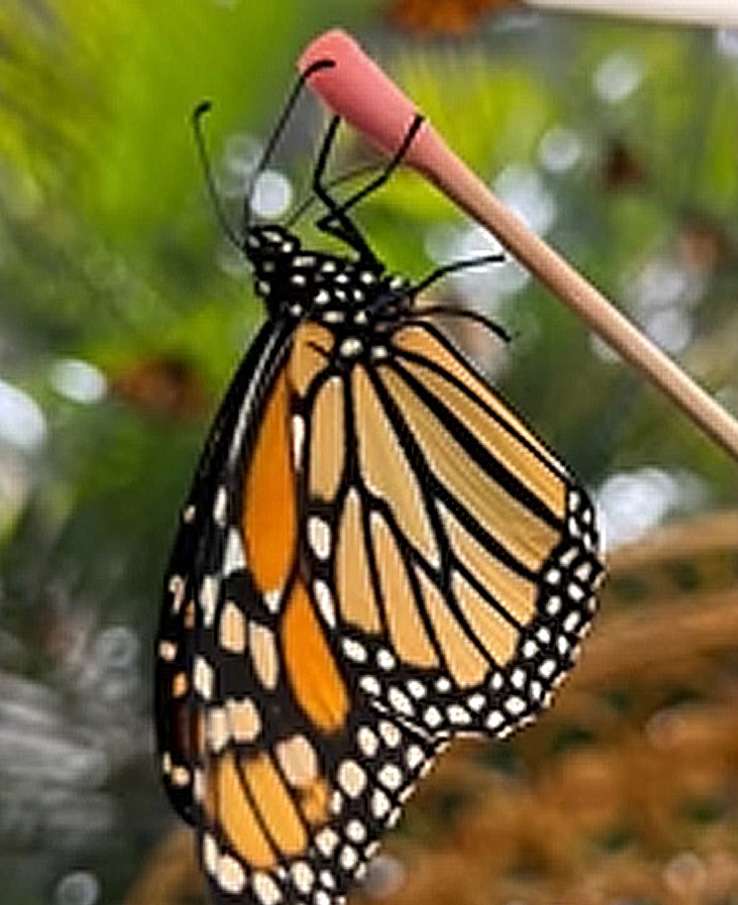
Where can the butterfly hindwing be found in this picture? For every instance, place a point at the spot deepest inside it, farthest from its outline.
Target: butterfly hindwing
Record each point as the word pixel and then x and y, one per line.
pixel 459 555
pixel 297 819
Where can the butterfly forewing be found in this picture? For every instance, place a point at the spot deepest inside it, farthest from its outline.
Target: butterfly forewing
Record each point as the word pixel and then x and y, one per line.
pixel 266 746
pixel 202 551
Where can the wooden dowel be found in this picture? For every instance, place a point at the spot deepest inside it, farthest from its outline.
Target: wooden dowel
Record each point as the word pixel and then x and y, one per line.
pixel 716 13
pixel 360 92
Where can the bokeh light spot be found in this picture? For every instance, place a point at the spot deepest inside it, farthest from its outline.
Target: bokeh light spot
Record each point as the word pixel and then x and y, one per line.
pixel 22 423
pixel 78 888
pixel 78 380
pixel 560 149
pixel 272 194
pixel 617 77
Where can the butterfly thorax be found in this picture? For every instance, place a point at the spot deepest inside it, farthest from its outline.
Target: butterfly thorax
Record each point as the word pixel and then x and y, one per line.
pixel 299 283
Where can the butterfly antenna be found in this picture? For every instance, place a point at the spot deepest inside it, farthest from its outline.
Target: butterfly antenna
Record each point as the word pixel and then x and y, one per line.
pixel 197 115
pixel 278 132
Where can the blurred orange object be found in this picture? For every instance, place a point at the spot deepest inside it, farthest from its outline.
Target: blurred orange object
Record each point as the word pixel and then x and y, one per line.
pixel 163 385
pixel 449 16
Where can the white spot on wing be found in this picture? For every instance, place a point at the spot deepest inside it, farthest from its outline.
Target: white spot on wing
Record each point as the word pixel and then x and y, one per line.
pixel 303 877
pixel 458 716
pixel 495 720
pixel 390 733
pixel 354 650
pixel 231 875
pixel 351 778
pixel 298 440
pixel 326 841
pixel 319 536
pixel 515 705
pixel 244 719
pixel 390 776
pixel 324 599
pixel 202 677
pixel 349 857
pixel 220 506
pixel 209 598
pixel 266 889
pixel 167 650
pixel 217 729
pixel 400 702
pixel 234 559
pixel 385 660
pixel 432 717
pixel 350 347
pixel 210 854
pixel 380 804
pixel 176 589
pixel 368 741
pixel 414 757
pixel 180 776
pixel 273 600
pixel 370 685
pixel 356 831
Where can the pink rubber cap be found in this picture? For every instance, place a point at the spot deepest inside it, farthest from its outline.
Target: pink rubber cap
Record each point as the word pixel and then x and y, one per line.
pixel 358 90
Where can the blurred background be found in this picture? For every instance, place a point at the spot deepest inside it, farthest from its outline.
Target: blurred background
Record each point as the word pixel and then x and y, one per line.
pixel 123 313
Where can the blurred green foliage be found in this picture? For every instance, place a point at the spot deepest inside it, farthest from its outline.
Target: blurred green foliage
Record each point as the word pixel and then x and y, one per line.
pixel 109 255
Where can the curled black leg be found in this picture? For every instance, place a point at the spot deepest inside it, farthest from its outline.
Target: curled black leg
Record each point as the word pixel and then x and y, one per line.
pixel 337 221
pixel 387 172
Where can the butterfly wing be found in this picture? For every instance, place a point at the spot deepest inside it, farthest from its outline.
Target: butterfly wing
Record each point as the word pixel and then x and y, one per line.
pixel 459 553
pixel 377 554
pixel 267 745
pixel 179 713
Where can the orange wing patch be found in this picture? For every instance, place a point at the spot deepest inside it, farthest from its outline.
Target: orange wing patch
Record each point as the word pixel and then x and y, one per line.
pixel 270 517
pixel 311 344
pixel 464 662
pixel 353 579
pixel 408 634
pixel 420 342
pixel 497 635
pixel 237 817
pixel 327 444
pixel 274 804
pixel 525 535
pixel 517 593
pixel 386 468
pixel 518 459
pixel 311 669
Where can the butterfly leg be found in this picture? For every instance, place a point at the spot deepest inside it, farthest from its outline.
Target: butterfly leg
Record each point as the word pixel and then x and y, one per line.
pixel 387 172
pixel 340 212
pixel 447 269
pixel 337 223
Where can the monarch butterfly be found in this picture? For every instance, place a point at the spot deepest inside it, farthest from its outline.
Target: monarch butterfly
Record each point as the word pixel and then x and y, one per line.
pixel 376 555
